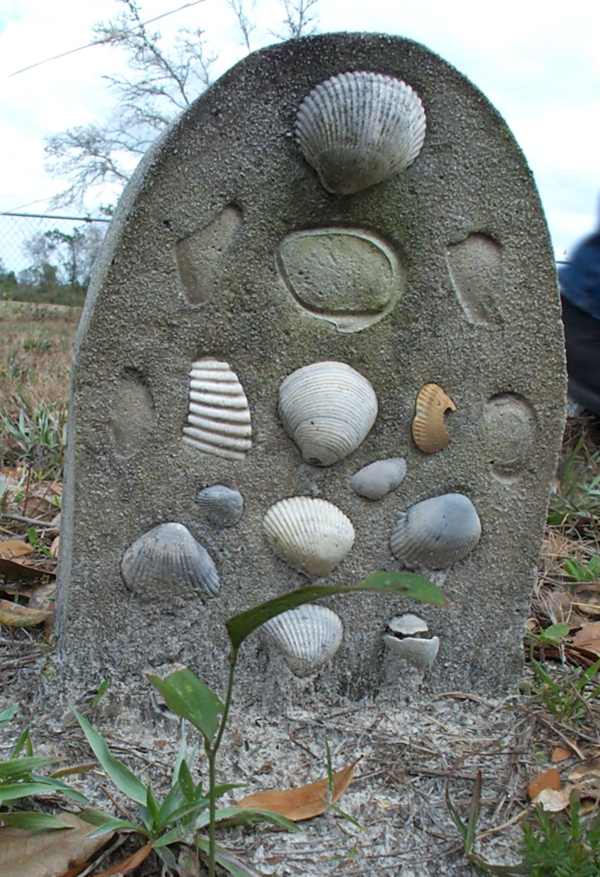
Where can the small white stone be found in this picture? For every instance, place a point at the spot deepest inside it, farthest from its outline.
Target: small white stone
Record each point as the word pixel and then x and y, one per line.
pixel 379 478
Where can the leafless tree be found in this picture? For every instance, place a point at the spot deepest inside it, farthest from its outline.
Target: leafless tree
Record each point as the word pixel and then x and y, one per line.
pixel 161 84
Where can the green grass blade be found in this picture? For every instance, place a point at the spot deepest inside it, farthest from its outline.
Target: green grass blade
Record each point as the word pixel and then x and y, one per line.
pixel 234 866
pixel 403 584
pixel 119 773
pixel 32 820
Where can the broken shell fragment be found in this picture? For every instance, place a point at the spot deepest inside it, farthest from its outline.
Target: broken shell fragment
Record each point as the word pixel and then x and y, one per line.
pixel 308 637
pixel 379 478
pixel 168 556
pixel 327 409
pixel 359 128
pixel 219 416
pixel 312 535
pixel 436 532
pixel 222 506
pixel 428 428
pixel 407 624
pixel 407 638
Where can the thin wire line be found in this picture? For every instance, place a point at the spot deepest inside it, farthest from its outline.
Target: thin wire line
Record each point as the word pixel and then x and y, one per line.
pixel 103 41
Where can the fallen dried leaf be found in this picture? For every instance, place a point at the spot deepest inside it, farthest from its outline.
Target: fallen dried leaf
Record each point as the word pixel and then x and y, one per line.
pixel 14 615
pixel 55 546
pixel 128 864
pixel 304 802
pixel 549 779
pixel 559 754
pixel 588 638
pixel 48 853
pixel 11 548
pixel 554 800
pixel 18 568
pixel 587 768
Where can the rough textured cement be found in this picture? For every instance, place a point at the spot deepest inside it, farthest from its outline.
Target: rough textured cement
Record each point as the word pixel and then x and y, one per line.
pixel 468 200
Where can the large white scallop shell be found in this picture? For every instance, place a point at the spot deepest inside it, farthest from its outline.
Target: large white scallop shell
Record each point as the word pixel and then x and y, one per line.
pixel 311 535
pixel 328 409
pixel 358 129
pixel 169 556
pixel 308 637
pixel 436 532
pixel 219 416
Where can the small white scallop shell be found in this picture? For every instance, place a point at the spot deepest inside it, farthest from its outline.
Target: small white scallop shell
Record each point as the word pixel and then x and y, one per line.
pixel 327 409
pixel 222 506
pixel 379 478
pixel 308 637
pixel 407 624
pixel 415 650
pixel 360 128
pixel 169 556
pixel 218 417
pixel 311 535
pixel 436 532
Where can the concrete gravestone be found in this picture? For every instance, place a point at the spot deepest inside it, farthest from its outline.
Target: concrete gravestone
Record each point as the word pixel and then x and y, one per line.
pixel 323 339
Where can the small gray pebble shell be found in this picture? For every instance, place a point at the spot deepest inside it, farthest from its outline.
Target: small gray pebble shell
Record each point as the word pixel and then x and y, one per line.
pixel 360 128
pixel 379 478
pixel 308 637
pixel 222 506
pixel 168 556
pixel 436 532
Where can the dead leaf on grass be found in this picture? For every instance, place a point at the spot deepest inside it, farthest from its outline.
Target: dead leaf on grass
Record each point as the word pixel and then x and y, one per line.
pixel 128 864
pixel 18 568
pixel 304 802
pixel 11 548
pixel 13 615
pixel 48 853
pixel 588 638
pixel 589 767
pixel 549 779
pixel 554 800
pixel 559 754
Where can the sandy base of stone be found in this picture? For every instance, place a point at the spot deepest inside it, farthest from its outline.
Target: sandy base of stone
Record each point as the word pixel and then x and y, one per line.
pixel 412 745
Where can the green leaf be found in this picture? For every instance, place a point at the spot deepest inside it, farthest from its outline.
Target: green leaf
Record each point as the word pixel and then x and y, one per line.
pixel 174 800
pixel 106 823
pixel 555 632
pixel 32 820
pixel 404 584
pixel 23 742
pixel 152 810
pixel 227 860
pixel 100 692
pixel 54 785
pixel 186 782
pixel 14 791
pixel 119 773
pixel 189 697
pixel 248 814
pixel 8 714
pixel 13 768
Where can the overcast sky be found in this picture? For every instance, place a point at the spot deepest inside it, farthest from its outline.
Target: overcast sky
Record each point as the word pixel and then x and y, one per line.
pixel 538 62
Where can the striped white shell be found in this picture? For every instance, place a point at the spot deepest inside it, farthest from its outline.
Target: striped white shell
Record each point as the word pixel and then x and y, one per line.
pixel 308 637
pixel 328 409
pixel 311 535
pixel 436 532
pixel 358 129
pixel 218 415
pixel 168 556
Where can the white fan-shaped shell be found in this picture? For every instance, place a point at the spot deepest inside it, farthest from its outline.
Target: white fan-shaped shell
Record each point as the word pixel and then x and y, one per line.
pixel 328 409
pixel 308 636
pixel 358 129
pixel 218 415
pixel 436 532
pixel 311 535
pixel 169 556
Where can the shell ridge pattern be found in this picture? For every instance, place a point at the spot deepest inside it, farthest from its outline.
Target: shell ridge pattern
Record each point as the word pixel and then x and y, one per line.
pixel 218 420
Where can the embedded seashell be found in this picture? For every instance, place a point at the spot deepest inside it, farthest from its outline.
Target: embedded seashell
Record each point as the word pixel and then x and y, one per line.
pixel 428 428
pixel 415 650
pixel 327 409
pixel 379 478
pixel 168 556
pixel 308 637
pixel 360 128
pixel 436 532
pixel 311 535
pixel 219 417
pixel 407 624
pixel 223 506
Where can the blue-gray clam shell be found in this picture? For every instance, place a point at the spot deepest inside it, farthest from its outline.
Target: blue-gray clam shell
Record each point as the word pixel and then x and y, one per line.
pixel 379 478
pixel 436 532
pixel 221 505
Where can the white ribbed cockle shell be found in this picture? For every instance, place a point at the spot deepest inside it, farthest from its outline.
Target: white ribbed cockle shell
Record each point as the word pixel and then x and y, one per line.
pixel 308 637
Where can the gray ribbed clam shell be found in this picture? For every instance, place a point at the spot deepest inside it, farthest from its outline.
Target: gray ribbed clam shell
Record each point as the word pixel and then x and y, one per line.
pixel 407 624
pixel 328 409
pixel 221 505
pixel 417 651
pixel 308 637
pixel 169 556
pixel 360 128
pixel 311 535
pixel 436 532
pixel 218 415
pixel 379 478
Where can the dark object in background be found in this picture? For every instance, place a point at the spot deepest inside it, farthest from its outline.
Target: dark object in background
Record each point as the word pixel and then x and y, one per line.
pixel 582 339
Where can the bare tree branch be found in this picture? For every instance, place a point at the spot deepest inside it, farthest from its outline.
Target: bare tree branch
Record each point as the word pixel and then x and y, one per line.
pixel 300 18
pixel 245 25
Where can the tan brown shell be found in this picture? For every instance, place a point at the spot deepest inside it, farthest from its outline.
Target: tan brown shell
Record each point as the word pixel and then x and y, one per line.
pixel 428 428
